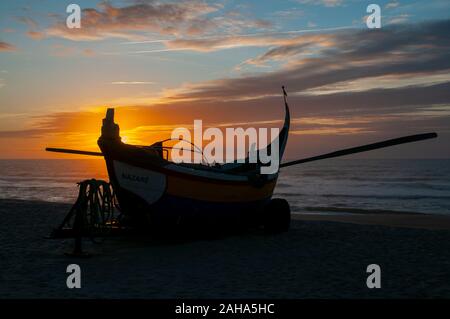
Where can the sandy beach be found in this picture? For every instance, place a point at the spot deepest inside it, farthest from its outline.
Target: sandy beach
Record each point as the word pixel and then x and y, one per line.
pixel 322 256
pixel 392 219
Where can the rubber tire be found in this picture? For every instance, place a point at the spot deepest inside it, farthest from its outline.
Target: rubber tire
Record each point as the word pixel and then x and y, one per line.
pixel 277 216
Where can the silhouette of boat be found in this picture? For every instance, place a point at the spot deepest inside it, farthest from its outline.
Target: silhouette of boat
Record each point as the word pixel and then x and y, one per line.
pixel 153 190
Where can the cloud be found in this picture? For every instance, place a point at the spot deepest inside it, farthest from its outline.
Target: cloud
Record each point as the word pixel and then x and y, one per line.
pixel 411 54
pixel 392 4
pixel 262 39
pixel 385 82
pixel 141 18
pixel 6 47
pixel 33 27
pixel 215 43
pixel 397 69
pixel 401 43
pixel 88 52
pixel 31 23
pixel 326 3
pixel 62 51
pixel 301 45
pixel 131 82
pixel 35 35
pixel 402 18
pixel 376 83
pixel 292 13
pixel 411 59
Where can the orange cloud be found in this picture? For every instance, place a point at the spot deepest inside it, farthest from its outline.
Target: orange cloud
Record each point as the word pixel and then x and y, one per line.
pixel 208 44
pixel 89 52
pixel 169 18
pixel 364 101
pixel 35 35
pixel 60 50
pixel 6 47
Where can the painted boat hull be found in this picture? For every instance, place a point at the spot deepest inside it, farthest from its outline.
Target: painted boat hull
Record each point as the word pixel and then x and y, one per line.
pixel 160 192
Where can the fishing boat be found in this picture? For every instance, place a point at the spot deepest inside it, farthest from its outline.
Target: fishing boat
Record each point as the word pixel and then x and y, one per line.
pixel 153 190
pixel 148 184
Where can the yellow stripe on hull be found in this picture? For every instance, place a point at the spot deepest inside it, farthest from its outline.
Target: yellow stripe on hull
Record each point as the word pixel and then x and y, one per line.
pixel 217 192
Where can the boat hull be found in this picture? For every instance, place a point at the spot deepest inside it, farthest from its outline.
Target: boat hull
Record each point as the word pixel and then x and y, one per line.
pixel 161 192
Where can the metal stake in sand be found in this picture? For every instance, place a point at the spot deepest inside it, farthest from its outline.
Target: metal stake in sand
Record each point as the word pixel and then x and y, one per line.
pixel 80 208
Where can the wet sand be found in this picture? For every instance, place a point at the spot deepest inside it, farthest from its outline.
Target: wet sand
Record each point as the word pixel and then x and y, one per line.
pixel 407 220
pixel 322 256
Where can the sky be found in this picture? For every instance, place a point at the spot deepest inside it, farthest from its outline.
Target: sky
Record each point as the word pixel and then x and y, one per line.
pixel 163 64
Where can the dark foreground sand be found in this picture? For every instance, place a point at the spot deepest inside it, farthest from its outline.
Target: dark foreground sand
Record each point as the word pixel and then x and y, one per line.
pixel 316 259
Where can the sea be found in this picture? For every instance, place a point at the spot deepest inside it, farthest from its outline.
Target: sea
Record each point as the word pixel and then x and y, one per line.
pixel 323 187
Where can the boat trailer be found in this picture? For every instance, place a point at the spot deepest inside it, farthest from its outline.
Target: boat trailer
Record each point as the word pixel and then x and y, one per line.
pixel 93 215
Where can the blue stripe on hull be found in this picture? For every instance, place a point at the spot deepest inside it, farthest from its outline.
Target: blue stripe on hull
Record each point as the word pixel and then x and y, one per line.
pixel 170 205
pixel 175 210
pixel 171 210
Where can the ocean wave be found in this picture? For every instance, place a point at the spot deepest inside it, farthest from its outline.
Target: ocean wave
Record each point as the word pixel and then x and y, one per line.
pixel 352 210
pixel 289 194
pixel 284 185
pixel 367 196
pixel 399 197
pixel 437 187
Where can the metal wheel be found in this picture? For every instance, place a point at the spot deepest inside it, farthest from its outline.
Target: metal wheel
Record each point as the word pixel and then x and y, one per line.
pixel 277 216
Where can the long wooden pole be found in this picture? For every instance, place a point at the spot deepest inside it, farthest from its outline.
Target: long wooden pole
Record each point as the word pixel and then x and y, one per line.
pixel 364 148
pixel 68 151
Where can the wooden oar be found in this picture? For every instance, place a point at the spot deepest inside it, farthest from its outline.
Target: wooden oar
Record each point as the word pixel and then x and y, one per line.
pixel 64 150
pixel 347 151
pixel 364 148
